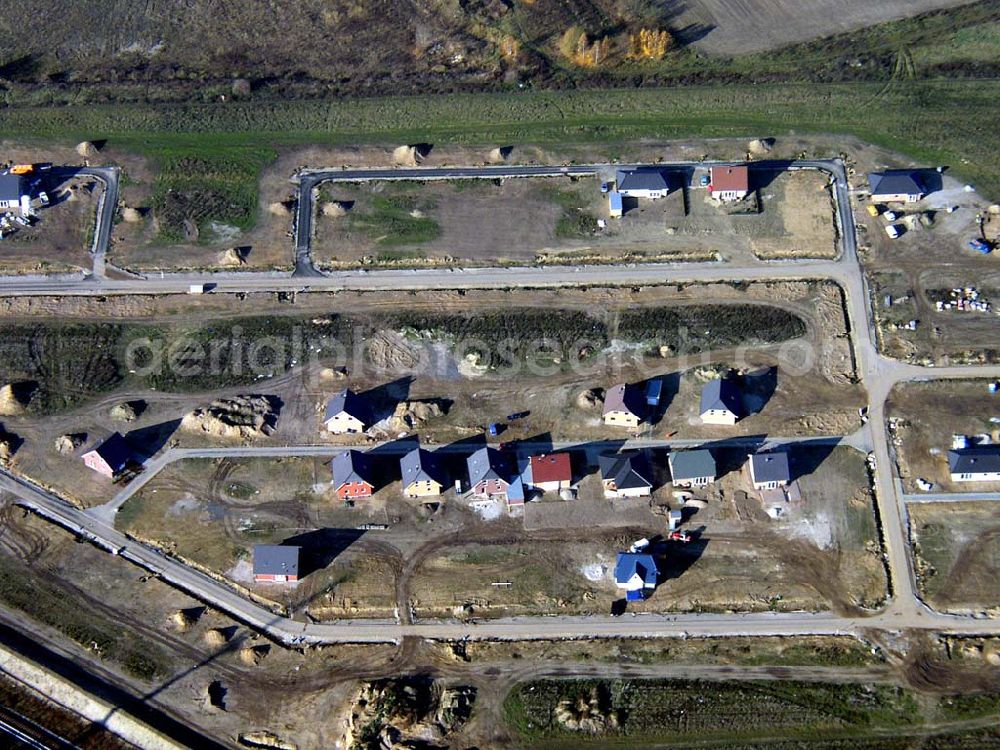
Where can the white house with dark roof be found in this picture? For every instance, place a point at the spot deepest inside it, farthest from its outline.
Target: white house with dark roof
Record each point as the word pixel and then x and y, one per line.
pixel 721 402
pixel 769 470
pixel 641 183
pixel 275 563
pixel 623 406
pixel 692 468
pixel 11 191
pixel 979 464
pixel 347 412
pixel 624 475
pixel 896 186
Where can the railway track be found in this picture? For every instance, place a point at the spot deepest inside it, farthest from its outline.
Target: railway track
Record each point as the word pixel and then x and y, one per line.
pixel 24 732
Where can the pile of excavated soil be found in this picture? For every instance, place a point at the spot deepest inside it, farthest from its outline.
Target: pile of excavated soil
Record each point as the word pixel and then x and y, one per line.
pixel 127 411
pixel 86 149
pixel 590 399
pixel 760 146
pixel 280 208
pixel 239 417
pixel 334 209
pixel 232 257
pixel 66 444
pixel 412 414
pixel 14 398
pixel 131 215
pixel 499 155
pixel 405 156
pixel 253 655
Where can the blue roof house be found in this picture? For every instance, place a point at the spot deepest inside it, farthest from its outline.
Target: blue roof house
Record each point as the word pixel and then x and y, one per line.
pixel 635 572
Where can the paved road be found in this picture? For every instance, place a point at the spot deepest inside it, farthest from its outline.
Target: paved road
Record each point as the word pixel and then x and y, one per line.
pixel 106 206
pixel 879 374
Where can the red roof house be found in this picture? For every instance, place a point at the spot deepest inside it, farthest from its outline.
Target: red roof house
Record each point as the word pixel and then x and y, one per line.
pixel 550 472
pixel 730 183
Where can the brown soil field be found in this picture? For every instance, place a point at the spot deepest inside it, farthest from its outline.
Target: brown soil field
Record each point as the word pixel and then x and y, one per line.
pixel 743 27
pixel 923 417
pixel 957 552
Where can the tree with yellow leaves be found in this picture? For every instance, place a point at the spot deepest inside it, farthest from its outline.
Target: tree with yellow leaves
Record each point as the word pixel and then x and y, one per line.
pixel 649 44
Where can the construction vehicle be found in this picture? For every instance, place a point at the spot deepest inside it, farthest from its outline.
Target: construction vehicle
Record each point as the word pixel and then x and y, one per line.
pixel 22 169
pixel 679 536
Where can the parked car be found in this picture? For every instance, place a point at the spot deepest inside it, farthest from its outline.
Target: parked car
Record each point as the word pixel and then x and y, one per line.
pixel 893 230
pixel 43 198
pixel 604 187
pixel 705 179
pixel 890 216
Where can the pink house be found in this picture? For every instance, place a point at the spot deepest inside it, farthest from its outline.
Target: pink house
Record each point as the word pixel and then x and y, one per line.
pixel 109 457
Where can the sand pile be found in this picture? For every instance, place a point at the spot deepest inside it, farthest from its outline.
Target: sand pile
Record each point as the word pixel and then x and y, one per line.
pixel 333 373
pixel 66 444
pixel 216 637
pixel 234 256
pixel 183 620
pixel 254 655
pixel 411 414
pixel 127 411
pixel 266 739
pixel 131 215
pixel 8 446
pixel 590 399
pixel 334 209
pixel 405 156
pixel 15 397
pixel 238 417
pixel 86 149
pixel 499 155
pixel 281 208
pixel 760 146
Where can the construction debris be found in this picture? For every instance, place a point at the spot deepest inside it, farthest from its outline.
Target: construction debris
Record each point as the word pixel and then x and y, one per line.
pixel 964 299
pixel 238 417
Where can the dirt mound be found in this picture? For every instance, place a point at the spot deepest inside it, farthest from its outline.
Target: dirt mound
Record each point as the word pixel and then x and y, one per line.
pixel 280 208
pixel 15 397
pixel 760 146
pixel 238 417
pixel 254 655
pixel 215 637
pixel 412 414
pixel 590 399
pixel 334 209
pixel 127 411
pixel 589 712
pixel 9 443
pixel 86 149
pixel 234 256
pixel 500 155
pixel 333 373
pixel 410 156
pixel 185 619
pixel 66 444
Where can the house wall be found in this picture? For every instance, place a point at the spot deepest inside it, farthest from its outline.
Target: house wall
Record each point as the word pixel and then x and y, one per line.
pixel 621 419
pixel 611 491
pixel 652 194
pixel 272 578
pixel 10 204
pixel 422 489
pixel 768 485
pixel 344 423
pixel 894 198
pixel 729 195
pixel 93 461
pixel 694 482
pixel 551 486
pixel 988 476
pixel 354 489
pixel 718 416
pixel 492 488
